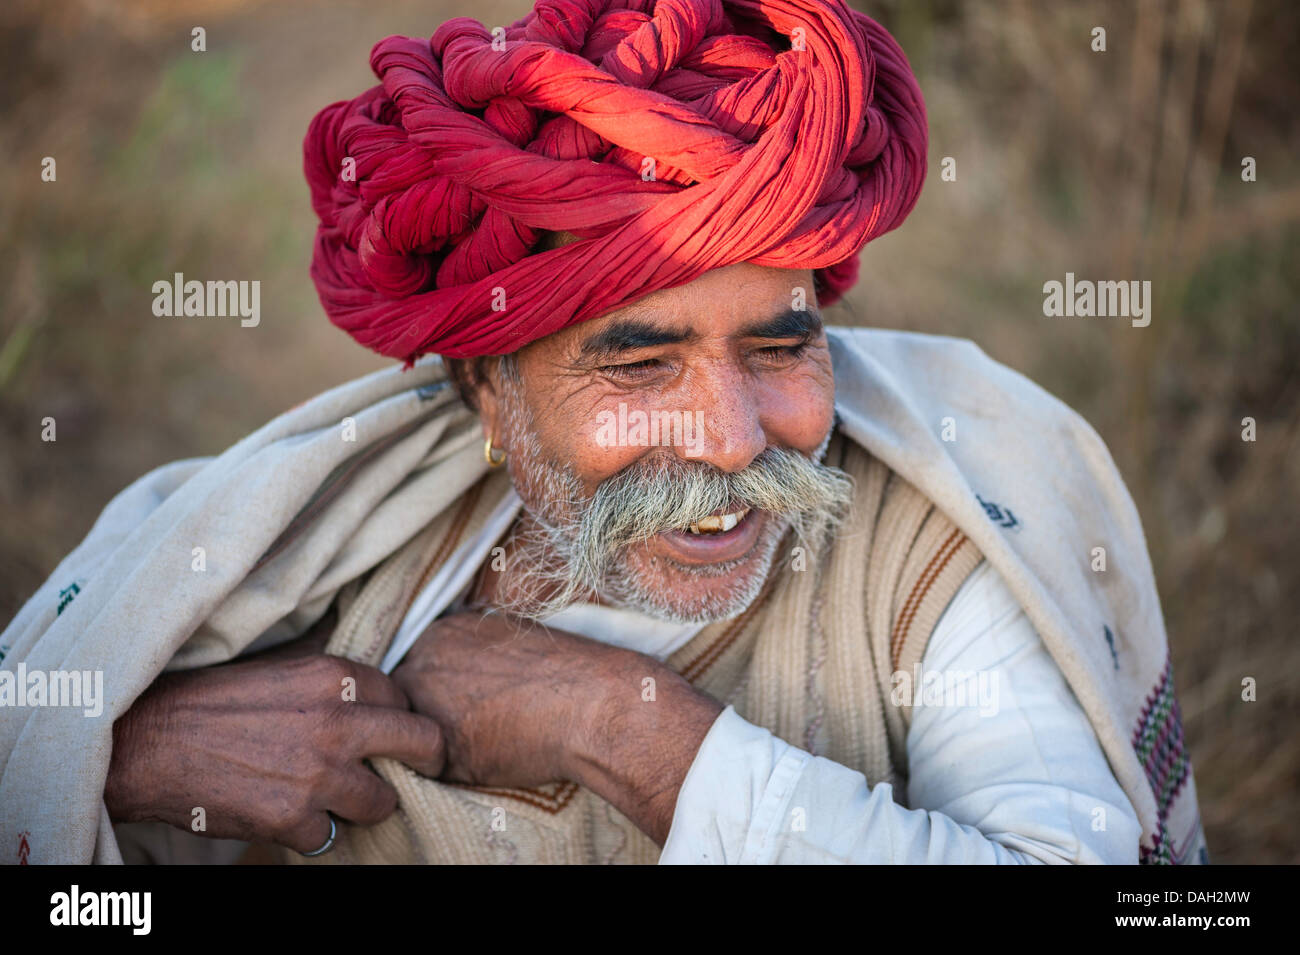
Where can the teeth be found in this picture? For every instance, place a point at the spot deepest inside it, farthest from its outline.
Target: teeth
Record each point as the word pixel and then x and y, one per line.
pixel 717 523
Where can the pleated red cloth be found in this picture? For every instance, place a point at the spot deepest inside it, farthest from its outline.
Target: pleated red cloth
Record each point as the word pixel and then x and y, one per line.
pixel 671 137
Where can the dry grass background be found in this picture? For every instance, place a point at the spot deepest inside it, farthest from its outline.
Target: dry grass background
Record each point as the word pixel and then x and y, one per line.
pixel 1123 164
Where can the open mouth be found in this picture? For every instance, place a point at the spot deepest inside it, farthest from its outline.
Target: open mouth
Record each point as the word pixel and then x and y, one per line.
pixel 718 523
pixel 726 535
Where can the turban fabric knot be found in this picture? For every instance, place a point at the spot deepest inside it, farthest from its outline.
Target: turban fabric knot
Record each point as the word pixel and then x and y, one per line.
pixel 669 136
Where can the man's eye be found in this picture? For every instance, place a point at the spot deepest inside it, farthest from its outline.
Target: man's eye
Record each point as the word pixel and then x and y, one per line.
pixel 630 369
pixel 783 352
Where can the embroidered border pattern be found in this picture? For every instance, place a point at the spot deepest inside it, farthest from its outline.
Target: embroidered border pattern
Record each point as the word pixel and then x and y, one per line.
pixel 1158 740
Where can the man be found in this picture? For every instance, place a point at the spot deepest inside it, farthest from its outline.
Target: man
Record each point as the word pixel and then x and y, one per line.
pixel 670 572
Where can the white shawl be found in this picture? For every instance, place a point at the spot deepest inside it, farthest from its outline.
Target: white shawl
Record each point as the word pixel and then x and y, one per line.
pixel 296 510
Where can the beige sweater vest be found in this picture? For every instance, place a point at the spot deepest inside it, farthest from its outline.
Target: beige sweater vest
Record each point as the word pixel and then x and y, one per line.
pixel 811 660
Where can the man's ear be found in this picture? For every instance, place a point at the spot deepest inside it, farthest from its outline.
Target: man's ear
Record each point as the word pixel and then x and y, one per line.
pixel 487 393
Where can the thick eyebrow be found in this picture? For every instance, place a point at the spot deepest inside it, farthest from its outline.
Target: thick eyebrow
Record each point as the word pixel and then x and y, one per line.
pixel 792 323
pixel 630 334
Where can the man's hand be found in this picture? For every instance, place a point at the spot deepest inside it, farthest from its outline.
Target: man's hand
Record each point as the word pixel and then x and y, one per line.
pixel 265 747
pixel 521 704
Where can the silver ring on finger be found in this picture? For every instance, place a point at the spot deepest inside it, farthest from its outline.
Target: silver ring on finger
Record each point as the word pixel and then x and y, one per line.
pixel 329 843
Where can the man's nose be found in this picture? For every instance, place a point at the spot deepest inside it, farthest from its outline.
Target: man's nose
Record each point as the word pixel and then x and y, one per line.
pixel 729 430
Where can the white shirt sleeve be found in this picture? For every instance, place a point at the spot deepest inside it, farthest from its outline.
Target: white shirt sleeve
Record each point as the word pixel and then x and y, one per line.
pixel 1022 780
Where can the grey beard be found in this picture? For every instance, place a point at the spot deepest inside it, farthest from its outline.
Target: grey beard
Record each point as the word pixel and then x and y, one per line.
pixel 577 547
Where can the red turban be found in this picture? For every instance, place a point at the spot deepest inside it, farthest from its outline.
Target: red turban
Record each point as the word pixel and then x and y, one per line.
pixel 671 137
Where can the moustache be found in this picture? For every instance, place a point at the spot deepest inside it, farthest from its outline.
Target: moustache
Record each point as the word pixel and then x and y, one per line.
pixel 669 493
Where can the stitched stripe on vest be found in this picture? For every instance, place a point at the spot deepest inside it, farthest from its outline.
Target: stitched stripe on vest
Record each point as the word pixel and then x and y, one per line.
pixel 449 543
pixel 461 518
pixel 701 664
pixel 933 569
pixel 552 802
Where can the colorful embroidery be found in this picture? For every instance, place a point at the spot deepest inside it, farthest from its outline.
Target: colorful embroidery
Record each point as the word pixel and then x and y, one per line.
pixel 1158 740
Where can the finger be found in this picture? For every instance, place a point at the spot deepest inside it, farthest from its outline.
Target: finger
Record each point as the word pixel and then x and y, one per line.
pixel 359 795
pixel 411 738
pixel 373 687
pixel 338 678
pixel 309 835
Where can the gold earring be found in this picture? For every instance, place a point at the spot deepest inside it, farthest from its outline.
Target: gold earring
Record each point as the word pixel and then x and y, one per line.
pixel 492 460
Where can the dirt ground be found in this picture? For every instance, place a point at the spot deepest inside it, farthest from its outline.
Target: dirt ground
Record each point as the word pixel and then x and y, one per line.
pixel 1118 164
